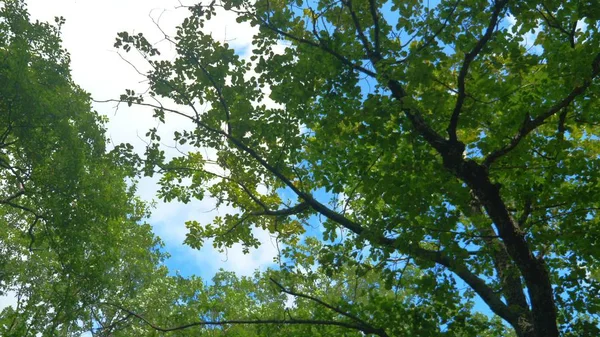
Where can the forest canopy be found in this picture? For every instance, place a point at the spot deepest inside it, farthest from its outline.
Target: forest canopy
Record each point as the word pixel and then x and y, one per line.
pixel 445 152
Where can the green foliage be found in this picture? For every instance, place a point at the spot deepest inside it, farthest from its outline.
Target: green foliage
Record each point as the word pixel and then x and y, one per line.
pixel 448 153
pixel 300 300
pixel 445 135
pixel 72 233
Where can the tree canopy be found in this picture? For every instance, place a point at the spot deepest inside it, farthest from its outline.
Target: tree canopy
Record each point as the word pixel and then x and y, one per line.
pixel 457 136
pixel 418 163
pixel 71 231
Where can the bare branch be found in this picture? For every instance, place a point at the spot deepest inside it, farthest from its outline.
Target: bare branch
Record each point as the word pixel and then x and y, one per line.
pixel 160 107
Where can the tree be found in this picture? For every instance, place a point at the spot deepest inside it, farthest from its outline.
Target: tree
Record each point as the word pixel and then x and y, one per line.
pixel 301 300
pixel 72 234
pixel 460 135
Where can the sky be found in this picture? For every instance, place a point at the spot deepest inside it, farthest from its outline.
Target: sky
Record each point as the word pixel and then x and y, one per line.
pixel 89 34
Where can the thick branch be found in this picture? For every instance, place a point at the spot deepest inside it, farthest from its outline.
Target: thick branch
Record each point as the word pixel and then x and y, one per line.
pixel 534 271
pixel 476 176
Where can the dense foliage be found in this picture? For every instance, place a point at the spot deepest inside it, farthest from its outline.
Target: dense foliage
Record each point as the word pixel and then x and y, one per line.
pixel 416 162
pixel 457 136
pixel 70 232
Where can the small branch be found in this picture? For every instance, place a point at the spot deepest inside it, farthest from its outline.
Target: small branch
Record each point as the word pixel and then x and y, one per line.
pixel 486 293
pixel 375 17
pixel 361 34
pixel 464 70
pixel 30 232
pixel 552 22
pixel 321 46
pixel 12 197
pixel 301 207
pixel 232 228
pixel 331 307
pixel 217 89
pixel 351 194
pixel 5 135
pixel 149 105
pixel 526 212
pixel 430 39
pixel 529 124
pixel 284 321
pixel 23 208
pixel 562 118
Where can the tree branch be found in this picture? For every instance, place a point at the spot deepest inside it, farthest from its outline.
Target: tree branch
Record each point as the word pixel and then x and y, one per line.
pixel 464 70
pixel 290 321
pixel 381 331
pixel 486 293
pixel 529 124
pixel 299 208
pixel 321 46
pixel 429 40
pixel 552 22
pixel 361 34
pixel 12 197
pixel 216 87
pixel 375 17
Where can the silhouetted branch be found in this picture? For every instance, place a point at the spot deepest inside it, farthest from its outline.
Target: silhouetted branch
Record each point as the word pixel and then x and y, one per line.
pixel 289 321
